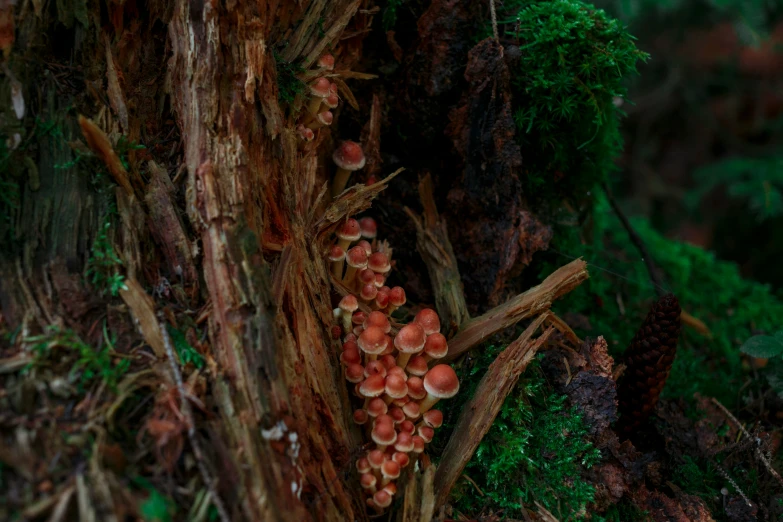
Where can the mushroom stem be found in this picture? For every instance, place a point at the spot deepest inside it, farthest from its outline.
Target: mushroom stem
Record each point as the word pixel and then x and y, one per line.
pixel 339 182
pixel 402 359
pixel 350 273
pixel 337 268
pixel 428 402
pixel 314 105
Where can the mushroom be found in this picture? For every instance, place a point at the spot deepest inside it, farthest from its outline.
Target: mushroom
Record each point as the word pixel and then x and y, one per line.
pixel 417 366
pixel 378 319
pixel 409 341
pixel 436 347
pixel 433 419
pixel 389 362
pixel 351 356
pixel 360 416
pixel 319 90
pixel 395 388
pixel 390 470
pixel 402 458
pixel 375 368
pixel 396 298
pixel 384 434
pixel 368 292
pixel 382 499
pixel 411 410
pixel 369 227
pixel 356 258
pixel 363 465
pixel 326 62
pixel 305 133
pixel 416 389
pixel 348 233
pixel 322 119
pixel 354 373
pixel 429 320
pixel 372 342
pixel 368 482
pixel 396 414
pixel 348 157
pixel 379 280
pixel 378 262
pixel 381 300
pixel 404 442
pixel 440 383
pixel 426 433
pixel 376 460
pixel 348 305
pixel 407 426
pixel 376 407
pixel 371 387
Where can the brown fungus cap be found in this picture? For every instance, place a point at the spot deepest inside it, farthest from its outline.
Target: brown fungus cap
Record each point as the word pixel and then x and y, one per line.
pixel 349 155
pixel 436 346
pixel 429 320
pixel 441 382
pixel 410 339
pixel 372 340
pixel 350 231
pixel 372 386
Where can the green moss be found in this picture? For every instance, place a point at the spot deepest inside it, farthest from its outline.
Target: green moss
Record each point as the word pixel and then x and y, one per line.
pixel 572 64
pixel 534 451
pixel 289 86
pixel 709 289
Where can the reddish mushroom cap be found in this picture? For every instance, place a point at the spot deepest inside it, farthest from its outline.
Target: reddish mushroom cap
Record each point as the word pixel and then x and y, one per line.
pixel 320 87
pixel 410 339
pixel 350 231
pixel 354 373
pixel 417 366
pixel 375 458
pixel 326 62
pixel 396 413
pixel 411 410
pixel 378 262
pixel 349 155
pixel 397 296
pixel 379 280
pixel 426 433
pixel 404 442
pixel 429 320
pixel 385 419
pixel 418 444
pixel 389 346
pixel 389 362
pixel 384 434
pixel 382 299
pixel 360 416
pixel 436 346
pixel 374 368
pixel 368 480
pixel 401 402
pixel 433 418
pixel 416 389
pixel 363 465
pixel 332 101
pixel 382 498
pixel 366 276
pixel 358 319
pixel 378 319
pixel 325 117
pixel 350 356
pixel 356 257
pixel 332 88
pixel 376 407
pixel 390 470
pixel 305 133
pixel 349 337
pixel 391 487
pixel 350 344
pixel 407 426
pixel 396 387
pixel 402 458
pixel 396 370
pixel 441 382
pixel 372 386
pixel 369 227
pixel 372 340
pixel 368 292
pixel 349 304
pixel 366 246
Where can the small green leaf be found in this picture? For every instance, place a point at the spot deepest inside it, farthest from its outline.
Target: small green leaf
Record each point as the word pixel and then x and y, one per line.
pixel 155 508
pixel 763 346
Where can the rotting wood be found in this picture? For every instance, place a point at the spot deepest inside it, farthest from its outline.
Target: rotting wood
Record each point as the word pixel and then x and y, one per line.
pixel 432 242
pixel 478 414
pixel 418 503
pixel 527 304
pixel 102 147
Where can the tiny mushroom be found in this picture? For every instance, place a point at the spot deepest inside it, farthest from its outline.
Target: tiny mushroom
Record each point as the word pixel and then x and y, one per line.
pixel 409 341
pixel 348 157
pixel 429 320
pixel 436 347
pixel 348 305
pixel 326 62
pixel 319 90
pixel 369 227
pixel 440 383
pixel 356 258
pixel 372 342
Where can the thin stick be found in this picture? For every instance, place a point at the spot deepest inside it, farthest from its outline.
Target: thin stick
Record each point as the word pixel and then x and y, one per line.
pixel 186 409
pixel 494 16
pixel 745 432
pixel 637 241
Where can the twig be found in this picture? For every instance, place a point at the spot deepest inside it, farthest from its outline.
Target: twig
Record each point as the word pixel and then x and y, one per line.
pixel 637 241
pixel 745 432
pixel 528 304
pixel 186 409
pixel 477 416
pixel 432 242
pixel 494 16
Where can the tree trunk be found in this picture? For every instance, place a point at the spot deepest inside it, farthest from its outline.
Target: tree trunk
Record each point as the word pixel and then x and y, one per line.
pixel 227 225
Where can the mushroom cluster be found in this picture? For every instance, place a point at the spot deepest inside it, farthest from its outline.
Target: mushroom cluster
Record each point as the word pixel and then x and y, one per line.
pixel 323 98
pixel 389 367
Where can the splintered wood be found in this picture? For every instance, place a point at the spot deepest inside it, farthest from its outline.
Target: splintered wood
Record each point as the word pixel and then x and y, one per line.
pixel 477 416
pixel 527 304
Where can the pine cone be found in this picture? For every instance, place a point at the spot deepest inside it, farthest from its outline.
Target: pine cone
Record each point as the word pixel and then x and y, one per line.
pixel 649 359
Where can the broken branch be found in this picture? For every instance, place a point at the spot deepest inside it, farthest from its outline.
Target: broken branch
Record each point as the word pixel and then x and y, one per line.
pixel 480 412
pixel 528 304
